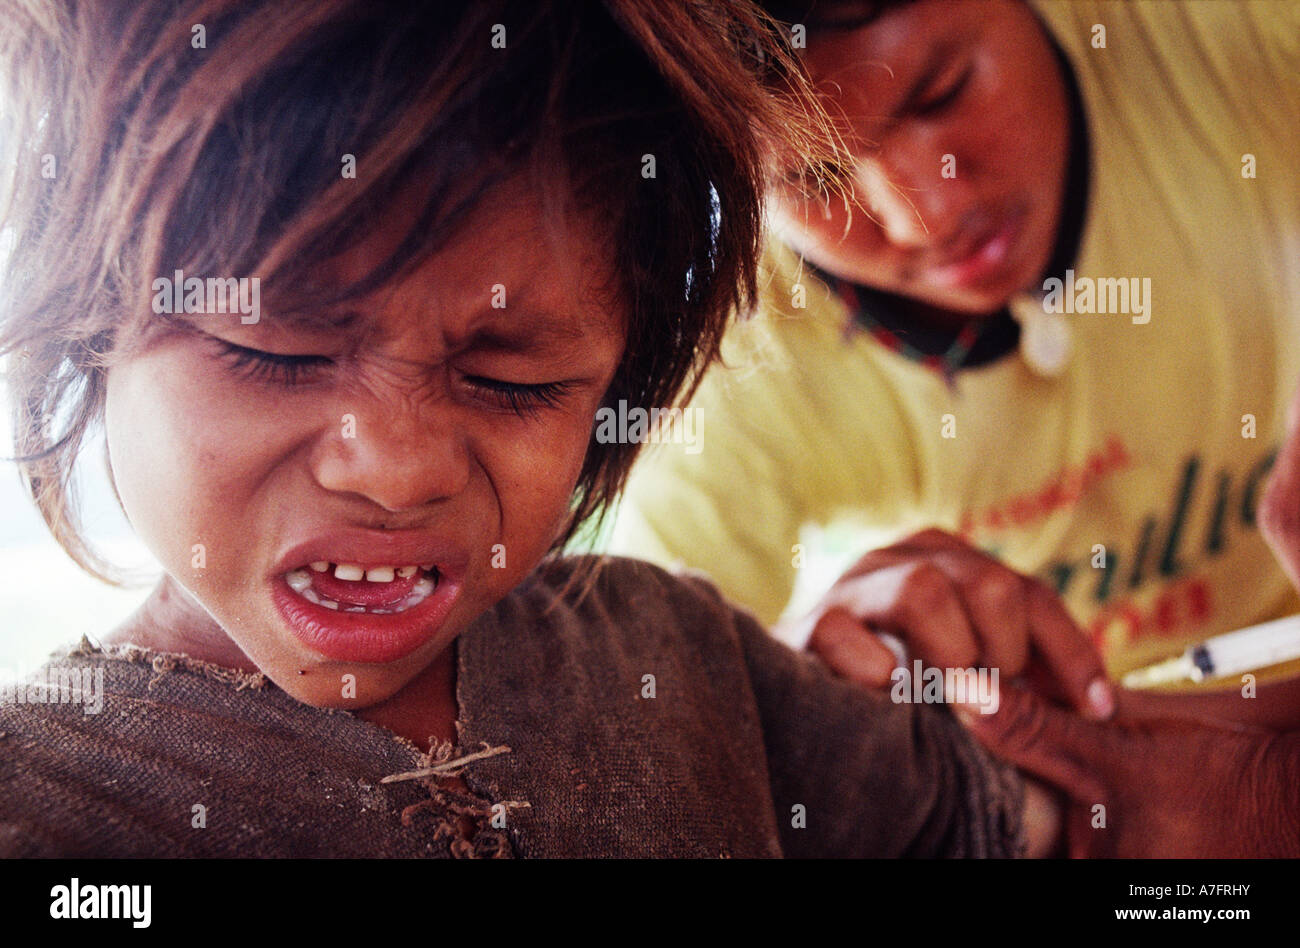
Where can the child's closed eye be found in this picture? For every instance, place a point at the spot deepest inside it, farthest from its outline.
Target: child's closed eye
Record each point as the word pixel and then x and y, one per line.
pixel 522 398
pixel 272 367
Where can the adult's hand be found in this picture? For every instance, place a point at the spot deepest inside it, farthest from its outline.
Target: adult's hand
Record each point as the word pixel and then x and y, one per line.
pixel 955 607
pixel 1147 786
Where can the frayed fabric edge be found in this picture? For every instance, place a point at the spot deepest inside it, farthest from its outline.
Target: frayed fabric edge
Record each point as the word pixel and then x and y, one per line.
pixel 486 842
pixel 165 662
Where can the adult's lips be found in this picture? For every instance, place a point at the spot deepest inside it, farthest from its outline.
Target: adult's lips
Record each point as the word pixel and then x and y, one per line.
pixel 982 257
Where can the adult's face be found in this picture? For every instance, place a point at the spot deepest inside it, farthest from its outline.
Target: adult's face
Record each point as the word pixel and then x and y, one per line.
pixel 957 118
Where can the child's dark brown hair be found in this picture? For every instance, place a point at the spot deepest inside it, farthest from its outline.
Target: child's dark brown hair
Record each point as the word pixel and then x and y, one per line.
pixel 208 135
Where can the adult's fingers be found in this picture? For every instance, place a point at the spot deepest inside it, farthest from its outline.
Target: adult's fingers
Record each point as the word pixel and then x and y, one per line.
pixel 1070 656
pixel 993 596
pixel 917 546
pixel 850 650
pixel 995 599
pixel 918 600
pixel 931 540
pixel 1052 743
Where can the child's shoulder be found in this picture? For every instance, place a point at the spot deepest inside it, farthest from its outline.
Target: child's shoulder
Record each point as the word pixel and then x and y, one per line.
pixel 122 751
pixel 630 600
pixel 624 578
pixel 622 690
pixel 601 629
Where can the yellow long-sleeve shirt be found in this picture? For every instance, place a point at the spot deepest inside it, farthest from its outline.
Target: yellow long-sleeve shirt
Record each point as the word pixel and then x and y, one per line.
pixel 1129 480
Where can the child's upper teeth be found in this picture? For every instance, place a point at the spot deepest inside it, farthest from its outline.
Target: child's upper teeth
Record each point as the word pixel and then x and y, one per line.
pixel 300 582
pixel 320 566
pixel 375 574
pixel 348 571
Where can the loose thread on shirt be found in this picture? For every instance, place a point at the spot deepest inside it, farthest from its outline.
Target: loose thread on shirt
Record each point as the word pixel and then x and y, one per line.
pixel 447 768
pixel 450 808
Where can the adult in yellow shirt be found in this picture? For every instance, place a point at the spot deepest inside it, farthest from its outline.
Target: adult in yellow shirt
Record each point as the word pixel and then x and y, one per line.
pixel 1056 331
pixel 1062 325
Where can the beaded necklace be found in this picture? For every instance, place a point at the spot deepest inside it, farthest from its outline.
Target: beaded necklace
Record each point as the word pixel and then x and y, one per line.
pixel 945 365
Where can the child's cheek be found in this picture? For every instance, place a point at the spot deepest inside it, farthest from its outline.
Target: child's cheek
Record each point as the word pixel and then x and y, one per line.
pixel 532 470
pixel 188 458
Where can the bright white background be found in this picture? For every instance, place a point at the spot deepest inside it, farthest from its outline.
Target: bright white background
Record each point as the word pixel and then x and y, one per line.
pixel 45 599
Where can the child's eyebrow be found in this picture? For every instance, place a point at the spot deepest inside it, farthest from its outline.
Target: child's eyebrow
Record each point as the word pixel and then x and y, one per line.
pixel 323 320
pixel 531 330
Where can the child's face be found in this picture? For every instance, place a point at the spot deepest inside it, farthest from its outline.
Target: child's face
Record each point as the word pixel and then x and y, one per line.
pixel 974 81
pixel 399 447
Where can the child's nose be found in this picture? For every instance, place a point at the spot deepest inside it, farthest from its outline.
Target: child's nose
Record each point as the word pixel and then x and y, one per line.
pixel 399 459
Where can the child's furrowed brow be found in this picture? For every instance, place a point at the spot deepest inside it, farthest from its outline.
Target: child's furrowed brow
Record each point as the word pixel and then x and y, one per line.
pixel 530 332
pixel 529 329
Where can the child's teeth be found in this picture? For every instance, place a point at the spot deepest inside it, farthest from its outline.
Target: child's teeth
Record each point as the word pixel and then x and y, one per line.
pixel 376 574
pixel 300 581
pixel 426 566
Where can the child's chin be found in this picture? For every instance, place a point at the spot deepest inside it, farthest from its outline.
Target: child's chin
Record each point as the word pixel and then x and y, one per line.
pixel 339 688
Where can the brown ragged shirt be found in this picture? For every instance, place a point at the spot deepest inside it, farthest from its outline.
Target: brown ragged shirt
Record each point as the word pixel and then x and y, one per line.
pixel 745 749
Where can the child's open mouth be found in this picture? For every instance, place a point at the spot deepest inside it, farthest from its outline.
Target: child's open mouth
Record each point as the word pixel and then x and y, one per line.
pixel 379 590
pixel 372 613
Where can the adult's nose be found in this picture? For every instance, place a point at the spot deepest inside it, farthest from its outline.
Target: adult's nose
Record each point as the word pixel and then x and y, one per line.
pixel 917 194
